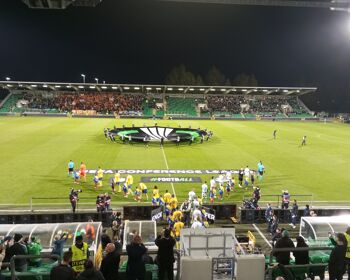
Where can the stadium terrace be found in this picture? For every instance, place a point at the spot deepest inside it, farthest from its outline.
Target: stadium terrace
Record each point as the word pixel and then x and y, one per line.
pixel 157 101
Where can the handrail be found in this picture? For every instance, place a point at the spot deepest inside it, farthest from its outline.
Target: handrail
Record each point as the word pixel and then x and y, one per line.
pixel 298 249
pixel 28 257
pixel 154 251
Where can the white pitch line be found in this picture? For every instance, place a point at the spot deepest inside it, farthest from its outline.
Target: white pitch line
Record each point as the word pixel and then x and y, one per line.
pixel 167 167
pixel 262 235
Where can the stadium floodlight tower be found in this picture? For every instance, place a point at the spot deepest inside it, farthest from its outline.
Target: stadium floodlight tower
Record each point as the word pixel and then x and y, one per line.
pixel 60 4
pixel 334 5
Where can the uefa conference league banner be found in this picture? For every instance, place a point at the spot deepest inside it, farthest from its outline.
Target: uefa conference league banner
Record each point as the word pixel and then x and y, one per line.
pixel 163 171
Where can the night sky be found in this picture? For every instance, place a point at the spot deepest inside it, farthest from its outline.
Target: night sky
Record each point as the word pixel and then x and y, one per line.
pixel 139 41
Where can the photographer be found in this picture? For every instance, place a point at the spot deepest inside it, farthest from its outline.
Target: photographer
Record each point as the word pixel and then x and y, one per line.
pixel 165 255
pixel 73 198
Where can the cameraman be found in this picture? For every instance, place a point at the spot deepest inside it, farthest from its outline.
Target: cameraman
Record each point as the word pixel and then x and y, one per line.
pixel 73 198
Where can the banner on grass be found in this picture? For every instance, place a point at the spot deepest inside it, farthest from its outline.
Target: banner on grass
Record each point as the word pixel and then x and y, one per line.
pixel 164 179
pixel 163 171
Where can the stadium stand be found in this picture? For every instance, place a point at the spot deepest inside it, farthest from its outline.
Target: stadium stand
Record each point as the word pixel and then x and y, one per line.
pixel 150 107
pixel 181 106
pixel 235 104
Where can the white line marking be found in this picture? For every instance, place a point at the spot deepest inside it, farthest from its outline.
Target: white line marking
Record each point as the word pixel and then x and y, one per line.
pixel 262 235
pixel 167 167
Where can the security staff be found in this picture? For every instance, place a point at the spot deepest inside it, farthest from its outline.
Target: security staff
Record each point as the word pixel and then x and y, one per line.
pixel 347 255
pixel 80 253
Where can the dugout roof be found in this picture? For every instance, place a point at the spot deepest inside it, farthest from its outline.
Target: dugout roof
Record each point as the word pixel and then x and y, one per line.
pixel 161 89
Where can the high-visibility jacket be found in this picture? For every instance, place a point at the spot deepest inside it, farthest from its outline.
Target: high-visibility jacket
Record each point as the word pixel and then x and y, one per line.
pixel 347 255
pixel 79 256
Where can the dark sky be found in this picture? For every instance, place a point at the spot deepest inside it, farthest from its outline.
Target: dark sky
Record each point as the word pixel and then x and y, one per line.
pixel 139 41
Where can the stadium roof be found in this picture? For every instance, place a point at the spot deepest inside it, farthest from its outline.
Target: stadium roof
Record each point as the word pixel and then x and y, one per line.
pixel 333 5
pixel 142 88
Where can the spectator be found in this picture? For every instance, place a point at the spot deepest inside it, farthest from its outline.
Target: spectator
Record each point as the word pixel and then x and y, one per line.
pixel 135 269
pixel 63 271
pixel 110 263
pixel 165 255
pixel 90 231
pixel 58 244
pixel 18 249
pixel 80 253
pixel 2 256
pixel 90 273
pixel 283 243
pixel 34 248
pixel 301 257
pixel 105 239
pixel 277 235
pixel 336 266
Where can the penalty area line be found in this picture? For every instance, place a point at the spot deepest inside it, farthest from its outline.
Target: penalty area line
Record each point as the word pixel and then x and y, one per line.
pixel 167 167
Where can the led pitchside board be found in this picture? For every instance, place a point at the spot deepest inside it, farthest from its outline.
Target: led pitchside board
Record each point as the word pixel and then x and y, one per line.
pixel 157 133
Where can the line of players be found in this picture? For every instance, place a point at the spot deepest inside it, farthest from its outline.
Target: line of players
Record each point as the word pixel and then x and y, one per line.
pixel 224 182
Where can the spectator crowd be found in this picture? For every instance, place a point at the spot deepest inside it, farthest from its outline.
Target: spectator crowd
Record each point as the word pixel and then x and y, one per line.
pixel 106 103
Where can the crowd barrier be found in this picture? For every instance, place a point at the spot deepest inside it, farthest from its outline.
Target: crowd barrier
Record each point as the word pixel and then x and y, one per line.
pixel 222 211
pixel 253 216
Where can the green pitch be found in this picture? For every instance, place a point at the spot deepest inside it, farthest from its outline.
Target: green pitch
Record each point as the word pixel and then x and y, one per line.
pixel 35 152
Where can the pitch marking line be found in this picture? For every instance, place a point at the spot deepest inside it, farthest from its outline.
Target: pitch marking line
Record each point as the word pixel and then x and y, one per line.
pixel 167 167
pixel 262 235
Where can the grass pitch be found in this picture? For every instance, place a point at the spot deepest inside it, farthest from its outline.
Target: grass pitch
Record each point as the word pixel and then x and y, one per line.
pixel 34 153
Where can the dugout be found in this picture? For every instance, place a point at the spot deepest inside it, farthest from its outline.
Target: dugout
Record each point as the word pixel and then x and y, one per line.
pixel 47 232
pixel 318 228
pixel 146 229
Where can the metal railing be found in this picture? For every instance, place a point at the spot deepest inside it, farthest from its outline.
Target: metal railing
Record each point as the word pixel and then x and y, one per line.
pixel 271 266
pixel 28 257
pixel 177 256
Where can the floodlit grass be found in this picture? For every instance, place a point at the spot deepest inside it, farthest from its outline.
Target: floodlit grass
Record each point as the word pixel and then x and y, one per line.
pixel 35 152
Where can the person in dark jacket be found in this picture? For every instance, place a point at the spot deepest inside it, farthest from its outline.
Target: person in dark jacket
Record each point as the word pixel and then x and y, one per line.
pixel 90 273
pixel 110 263
pixel 105 239
pixel 165 255
pixel 18 249
pixel 301 257
pixel 63 271
pixel 294 214
pixel 283 243
pixel 336 265
pixel 135 269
